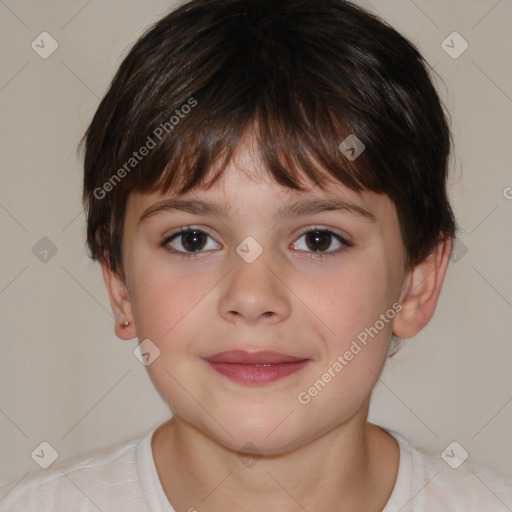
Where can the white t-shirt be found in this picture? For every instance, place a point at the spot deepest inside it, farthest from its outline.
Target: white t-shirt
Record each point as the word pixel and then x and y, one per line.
pixel 123 478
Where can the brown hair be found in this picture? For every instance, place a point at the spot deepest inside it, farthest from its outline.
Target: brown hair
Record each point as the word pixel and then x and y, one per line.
pixel 307 74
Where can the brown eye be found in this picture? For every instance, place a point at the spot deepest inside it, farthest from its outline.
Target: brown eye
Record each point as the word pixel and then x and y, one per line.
pixel 193 240
pixel 321 242
pixel 318 240
pixel 190 241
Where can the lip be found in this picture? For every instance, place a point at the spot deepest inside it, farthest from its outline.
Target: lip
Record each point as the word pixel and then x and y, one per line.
pixel 255 368
pixel 259 357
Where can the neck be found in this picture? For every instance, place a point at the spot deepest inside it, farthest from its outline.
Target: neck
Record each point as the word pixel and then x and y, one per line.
pixel 352 467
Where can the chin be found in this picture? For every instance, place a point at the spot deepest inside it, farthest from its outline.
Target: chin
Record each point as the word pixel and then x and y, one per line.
pixel 258 434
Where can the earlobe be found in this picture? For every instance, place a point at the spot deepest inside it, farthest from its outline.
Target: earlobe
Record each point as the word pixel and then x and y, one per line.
pixel 120 303
pixel 421 291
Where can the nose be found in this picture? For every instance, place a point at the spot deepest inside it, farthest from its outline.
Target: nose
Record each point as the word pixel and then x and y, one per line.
pixel 254 292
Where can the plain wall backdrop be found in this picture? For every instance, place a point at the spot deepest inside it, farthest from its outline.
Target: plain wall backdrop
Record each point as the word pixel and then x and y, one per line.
pixel 64 376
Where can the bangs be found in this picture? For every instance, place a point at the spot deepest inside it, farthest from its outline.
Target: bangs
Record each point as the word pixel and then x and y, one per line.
pixel 292 137
pixel 252 72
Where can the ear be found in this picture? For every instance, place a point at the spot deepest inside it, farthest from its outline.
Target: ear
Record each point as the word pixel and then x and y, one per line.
pixel 421 291
pixel 120 302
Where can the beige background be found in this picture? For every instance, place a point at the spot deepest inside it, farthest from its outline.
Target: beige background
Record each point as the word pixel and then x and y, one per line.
pixel 66 379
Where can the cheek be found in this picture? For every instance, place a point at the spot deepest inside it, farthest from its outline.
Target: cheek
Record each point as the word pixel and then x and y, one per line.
pixel 355 344
pixel 353 300
pixel 164 301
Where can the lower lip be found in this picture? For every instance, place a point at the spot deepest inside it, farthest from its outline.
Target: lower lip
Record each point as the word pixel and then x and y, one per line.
pixel 252 374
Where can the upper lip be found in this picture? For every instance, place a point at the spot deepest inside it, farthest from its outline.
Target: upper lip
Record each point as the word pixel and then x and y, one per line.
pixel 258 357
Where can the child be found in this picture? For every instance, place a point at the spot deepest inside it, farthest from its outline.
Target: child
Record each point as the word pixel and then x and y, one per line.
pixel 265 192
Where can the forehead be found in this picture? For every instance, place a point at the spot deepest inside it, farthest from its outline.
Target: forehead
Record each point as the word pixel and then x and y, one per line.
pixel 245 188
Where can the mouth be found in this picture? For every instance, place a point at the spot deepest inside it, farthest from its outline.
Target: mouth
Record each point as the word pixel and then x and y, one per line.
pixel 255 368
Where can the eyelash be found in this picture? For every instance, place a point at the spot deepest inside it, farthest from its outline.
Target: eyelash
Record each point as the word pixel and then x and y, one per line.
pixel 315 255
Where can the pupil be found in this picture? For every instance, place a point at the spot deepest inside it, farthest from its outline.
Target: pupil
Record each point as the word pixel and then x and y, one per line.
pixel 318 237
pixel 191 238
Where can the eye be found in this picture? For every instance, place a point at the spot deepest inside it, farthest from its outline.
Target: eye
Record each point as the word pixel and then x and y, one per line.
pixel 320 241
pixel 189 241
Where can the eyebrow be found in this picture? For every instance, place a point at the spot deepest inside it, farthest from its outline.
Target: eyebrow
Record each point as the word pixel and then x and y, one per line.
pixel 299 208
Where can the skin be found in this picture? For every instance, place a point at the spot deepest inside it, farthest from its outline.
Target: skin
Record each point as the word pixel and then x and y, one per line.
pixel 320 456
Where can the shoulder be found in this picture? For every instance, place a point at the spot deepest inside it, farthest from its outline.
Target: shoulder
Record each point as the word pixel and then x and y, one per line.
pixel 451 483
pixel 93 481
pixel 468 486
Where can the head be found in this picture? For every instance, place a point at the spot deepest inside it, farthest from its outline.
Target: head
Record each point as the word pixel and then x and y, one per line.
pixel 251 106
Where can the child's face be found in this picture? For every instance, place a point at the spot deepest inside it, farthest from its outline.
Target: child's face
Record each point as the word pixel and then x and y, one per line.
pixel 285 301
